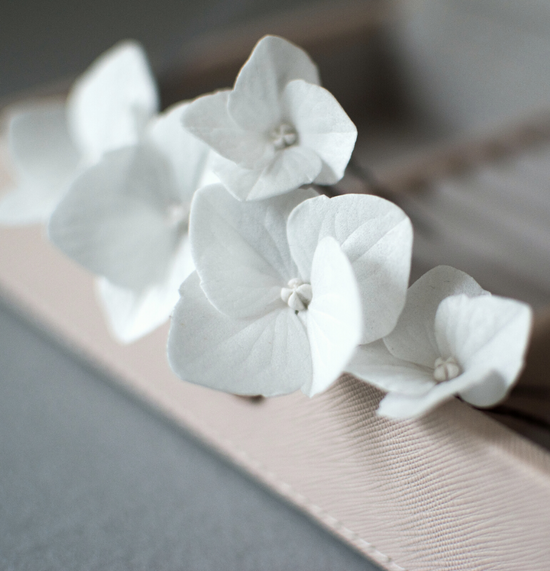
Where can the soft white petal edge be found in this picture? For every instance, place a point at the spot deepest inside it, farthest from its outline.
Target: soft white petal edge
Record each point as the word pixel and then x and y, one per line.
pixel 208 119
pixel 485 334
pixel 43 160
pixel 334 317
pixel 413 338
pixel 188 155
pixel 110 104
pixel 131 315
pixel 255 100
pixel 322 126
pixel 113 219
pixel 40 146
pixel 399 406
pixel 375 365
pixel 27 205
pixel 288 170
pixel 267 356
pixel 240 249
pixel 375 235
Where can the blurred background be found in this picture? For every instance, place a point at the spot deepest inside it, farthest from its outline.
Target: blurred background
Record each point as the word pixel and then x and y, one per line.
pixel 452 66
pixel 451 99
pixel 417 77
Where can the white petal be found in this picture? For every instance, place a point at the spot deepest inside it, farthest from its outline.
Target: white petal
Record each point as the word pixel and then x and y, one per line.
pixel 44 159
pixel 397 405
pixel 255 100
pixel 27 205
pixel 268 356
pixel 240 249
pixel 40 146
pixel 334 323
pixel 375 235
pixel 374 364
pixel 187 154
pixel 322 126
pixel 486 334
pixel 132 315
pixel 115 218
pixel 110 104
pixel 290 169
pixel 239 181
pixel 208 119
pixel 413 338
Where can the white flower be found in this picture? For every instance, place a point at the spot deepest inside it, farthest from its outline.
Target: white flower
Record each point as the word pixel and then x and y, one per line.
pixel 50 142
pixel 277 129
pixel 125 219
pixel 276 302
pixel 453 338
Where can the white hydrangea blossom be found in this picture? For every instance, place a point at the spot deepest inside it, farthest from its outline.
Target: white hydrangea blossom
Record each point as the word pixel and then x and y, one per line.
pixel 277 305
pixel 287 283
pixel 126 217
pixel 453 338
pixel 50 142
pixel 277 128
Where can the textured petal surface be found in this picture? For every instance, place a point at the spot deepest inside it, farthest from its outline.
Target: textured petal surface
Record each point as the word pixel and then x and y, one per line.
pixel 334 323
pixel 111 103
pixel 44 159
pixel 413 338
pixel 188 155
pixel 289 169
pixel 375 235
pixel 115 218
pixel 132 315
pixel 208 119
pixel 266 356
pixel 322 126
pixel 240 249
pixel 374 364
pixel 255 101
pixel 486 335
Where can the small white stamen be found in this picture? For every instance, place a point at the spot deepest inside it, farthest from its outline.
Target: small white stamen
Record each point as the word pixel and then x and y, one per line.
pixel 297 294
pixel 176 214
pixel 446 369
pixel 284 136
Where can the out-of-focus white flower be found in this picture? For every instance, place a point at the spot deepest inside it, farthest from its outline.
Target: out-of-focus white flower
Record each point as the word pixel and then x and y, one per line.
pixel 50 142
pixel 453 338
pixel 276 302
pixel 277 129
pixel 126 217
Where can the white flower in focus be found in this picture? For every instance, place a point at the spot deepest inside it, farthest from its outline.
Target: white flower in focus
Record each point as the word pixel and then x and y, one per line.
pixel 125 219
pixel 275 304
pixel 277 129
pixel 453 338
pixel 49 143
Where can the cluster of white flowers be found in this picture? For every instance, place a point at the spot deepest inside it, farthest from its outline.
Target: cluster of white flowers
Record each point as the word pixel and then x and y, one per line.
pixel 280 288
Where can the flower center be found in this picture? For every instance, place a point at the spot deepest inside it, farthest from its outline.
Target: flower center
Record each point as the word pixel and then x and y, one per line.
pixel 176 214
pixel 297 294
pixel 446 369
pixel 283 136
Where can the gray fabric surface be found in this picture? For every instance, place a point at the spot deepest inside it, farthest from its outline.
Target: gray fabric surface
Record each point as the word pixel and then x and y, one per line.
pixel 90 478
